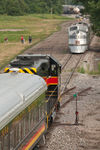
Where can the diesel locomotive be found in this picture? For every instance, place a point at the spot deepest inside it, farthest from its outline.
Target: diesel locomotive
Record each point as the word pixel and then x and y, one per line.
pixel 45 66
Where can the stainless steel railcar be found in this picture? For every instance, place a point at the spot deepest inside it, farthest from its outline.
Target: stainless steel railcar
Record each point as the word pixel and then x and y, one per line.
pixel 22 111
pixel 78 37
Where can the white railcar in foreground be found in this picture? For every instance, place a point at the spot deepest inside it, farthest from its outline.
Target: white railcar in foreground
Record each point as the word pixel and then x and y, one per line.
pixel 22 111
pixel 78 37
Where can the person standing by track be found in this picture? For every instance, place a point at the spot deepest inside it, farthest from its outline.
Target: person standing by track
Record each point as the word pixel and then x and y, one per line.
pixel 22 39
pixel 30 39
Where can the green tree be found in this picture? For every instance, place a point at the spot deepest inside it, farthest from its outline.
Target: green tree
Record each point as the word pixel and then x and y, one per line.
pixel 32 5
pixel 20 7
pixel 16 7
pixel 56 6
pixel 45 6
pixel 94 11
pixel 2 6
pixel 92 7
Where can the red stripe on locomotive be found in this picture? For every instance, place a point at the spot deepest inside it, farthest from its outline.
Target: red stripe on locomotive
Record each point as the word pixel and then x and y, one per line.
pixel 51 80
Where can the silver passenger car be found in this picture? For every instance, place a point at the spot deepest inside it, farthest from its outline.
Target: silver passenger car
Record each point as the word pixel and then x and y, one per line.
pixel 22 110
pixel 78 37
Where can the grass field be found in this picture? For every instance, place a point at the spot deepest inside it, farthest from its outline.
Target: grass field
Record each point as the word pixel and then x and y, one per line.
pixel 39 26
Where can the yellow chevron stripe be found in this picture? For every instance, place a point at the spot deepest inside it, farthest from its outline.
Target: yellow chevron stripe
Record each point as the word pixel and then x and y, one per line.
pixel 28 70
pixel 34 69
pixel 21 71
pixel 6 69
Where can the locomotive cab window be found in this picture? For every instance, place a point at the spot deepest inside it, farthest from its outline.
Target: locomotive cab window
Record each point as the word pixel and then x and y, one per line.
pixel 53 69
pixel 73 28
pixel 43 69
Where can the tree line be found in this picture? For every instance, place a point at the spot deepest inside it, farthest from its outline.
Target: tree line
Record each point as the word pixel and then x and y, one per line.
pixel 92 7
pixel 22 7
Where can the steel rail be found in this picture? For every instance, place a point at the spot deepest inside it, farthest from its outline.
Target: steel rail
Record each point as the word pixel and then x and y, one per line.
pixel 79 93
pixel 67 91
pixel 68 79
pixel 66 62
pixel 70 76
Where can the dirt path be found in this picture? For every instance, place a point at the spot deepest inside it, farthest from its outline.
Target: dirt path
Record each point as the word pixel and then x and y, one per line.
pixel 55 44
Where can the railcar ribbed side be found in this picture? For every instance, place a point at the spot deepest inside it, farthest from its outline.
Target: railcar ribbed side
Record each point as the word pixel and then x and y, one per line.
pixel 22 110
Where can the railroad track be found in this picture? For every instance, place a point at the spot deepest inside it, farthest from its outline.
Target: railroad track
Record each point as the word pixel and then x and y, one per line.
pixel 66 63
pixel 78 93
pixel 68 101
pixel 73 69
pixel 66 91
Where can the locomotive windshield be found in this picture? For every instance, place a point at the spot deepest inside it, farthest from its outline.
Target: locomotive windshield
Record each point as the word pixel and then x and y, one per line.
pixel 73 28
pixel 42 67
pixel 44 64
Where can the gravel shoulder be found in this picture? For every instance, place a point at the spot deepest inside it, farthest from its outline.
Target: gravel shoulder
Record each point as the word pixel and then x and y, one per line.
pixel 81 137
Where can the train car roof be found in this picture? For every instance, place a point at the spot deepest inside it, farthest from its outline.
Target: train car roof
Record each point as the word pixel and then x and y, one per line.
pixel 17 91
pixel 42 56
